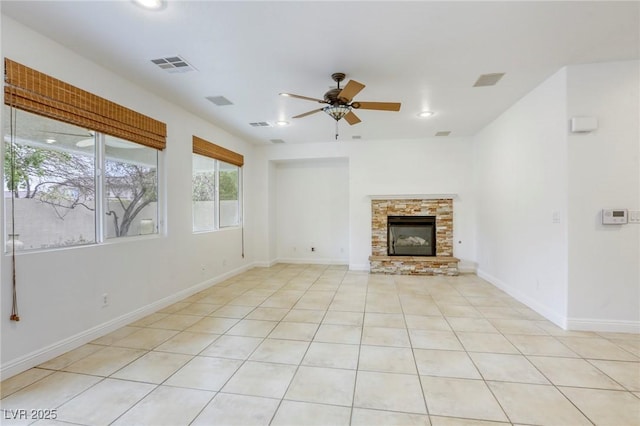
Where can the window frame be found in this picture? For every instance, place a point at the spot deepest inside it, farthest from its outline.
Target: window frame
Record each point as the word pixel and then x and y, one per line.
pixel 216 211
pixel 99 157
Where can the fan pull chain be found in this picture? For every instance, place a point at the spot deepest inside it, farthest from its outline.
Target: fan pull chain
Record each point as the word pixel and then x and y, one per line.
pixel 336 130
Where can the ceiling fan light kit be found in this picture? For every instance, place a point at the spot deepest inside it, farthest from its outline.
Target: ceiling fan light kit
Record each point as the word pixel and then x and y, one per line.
pixel 337 111
pixel 340 101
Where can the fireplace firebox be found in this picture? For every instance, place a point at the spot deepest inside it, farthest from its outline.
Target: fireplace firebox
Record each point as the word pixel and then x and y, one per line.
pixel 411 235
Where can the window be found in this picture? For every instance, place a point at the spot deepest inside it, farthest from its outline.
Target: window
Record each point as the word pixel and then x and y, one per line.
pixel 229 191
pixel 216 186
pixel 204 193
pixel 131 188
pixel 78 168
pixel 55 198
pixel 216 194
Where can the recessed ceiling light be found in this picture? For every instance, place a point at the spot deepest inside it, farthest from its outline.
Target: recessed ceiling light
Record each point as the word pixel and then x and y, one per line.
pixel 50 140
pixel 425 114
pixel 150 4
pixel 282 123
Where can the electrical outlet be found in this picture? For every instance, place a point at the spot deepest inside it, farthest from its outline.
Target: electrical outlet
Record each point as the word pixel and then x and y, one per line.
pixel 313 249
pixel 105 300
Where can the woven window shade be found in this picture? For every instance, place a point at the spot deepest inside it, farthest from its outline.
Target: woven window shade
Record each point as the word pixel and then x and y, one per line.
pixel 211 150
pixel 35 92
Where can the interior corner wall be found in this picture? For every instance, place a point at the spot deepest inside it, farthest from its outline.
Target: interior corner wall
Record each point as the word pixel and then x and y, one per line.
pixel 521 200
pixel 429 166
pixel 312 211
pixel 60 291
pixel 424 166
pixel 604 172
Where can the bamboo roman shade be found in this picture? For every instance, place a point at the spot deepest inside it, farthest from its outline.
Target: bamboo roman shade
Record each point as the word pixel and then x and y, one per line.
pixel 35 92
pixel 211 150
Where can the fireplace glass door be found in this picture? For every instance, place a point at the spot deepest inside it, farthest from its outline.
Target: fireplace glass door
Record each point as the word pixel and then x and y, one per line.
pixel 411 235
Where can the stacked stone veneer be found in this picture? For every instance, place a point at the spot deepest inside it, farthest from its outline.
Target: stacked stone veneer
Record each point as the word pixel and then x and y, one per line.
pixel 443 263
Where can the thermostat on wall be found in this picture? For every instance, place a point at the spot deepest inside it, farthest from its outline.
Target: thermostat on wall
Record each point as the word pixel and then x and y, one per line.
pixel 614 216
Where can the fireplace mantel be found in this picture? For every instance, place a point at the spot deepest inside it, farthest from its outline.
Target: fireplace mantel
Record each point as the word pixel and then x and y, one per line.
pixel 412 196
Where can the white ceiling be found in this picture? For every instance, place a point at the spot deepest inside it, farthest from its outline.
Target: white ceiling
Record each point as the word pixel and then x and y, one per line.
pixel 426 55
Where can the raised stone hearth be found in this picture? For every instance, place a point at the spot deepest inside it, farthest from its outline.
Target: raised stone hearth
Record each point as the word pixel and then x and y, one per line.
pixel 443 263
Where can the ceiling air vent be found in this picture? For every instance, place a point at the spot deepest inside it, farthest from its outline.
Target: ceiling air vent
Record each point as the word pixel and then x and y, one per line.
pixel 443 133
pixel 356 137
pixel 276 140
pixel 260 124
pixel 488 79
pixel 219 100
pixel 173 64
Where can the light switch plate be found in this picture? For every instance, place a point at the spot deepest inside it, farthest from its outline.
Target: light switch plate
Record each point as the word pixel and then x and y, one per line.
pixel 634 216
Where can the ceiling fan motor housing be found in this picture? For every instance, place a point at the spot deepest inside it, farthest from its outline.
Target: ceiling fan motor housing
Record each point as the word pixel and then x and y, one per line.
pixel 332 97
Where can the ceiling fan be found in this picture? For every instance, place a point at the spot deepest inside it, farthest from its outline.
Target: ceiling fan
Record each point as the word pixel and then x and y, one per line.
pixel 340 103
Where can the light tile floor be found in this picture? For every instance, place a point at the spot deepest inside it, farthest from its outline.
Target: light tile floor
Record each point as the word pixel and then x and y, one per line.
pixel 318 345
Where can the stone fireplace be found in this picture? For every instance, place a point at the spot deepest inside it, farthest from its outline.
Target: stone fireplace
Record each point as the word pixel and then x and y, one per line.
pixel 412 236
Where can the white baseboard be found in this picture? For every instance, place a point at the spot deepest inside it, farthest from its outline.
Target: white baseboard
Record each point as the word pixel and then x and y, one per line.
pixel 581 324
pixel 467 267
pixel 37 357
pixel 554 317
pixel 265 263
pixel 364 267
pixel 312 261
pixel 611 326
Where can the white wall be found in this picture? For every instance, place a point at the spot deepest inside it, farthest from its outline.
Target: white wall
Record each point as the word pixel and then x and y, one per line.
pixel 394 167
pixel 60 292
pixel 521 183
pixel 604 172
pixel 532 173
pixel 312 210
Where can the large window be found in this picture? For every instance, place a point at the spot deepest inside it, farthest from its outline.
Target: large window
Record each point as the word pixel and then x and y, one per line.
pixel 65 185
pixel 204 193
pixel 131 188
pixel 216 194
pixel 229 191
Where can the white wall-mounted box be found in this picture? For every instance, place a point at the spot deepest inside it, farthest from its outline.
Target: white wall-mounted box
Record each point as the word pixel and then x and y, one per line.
pixel 583 124
pixel 614 216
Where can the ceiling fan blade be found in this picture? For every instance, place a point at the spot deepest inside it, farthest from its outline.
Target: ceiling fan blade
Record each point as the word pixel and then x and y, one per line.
pixel 352 118
pixel 350 90
pixel 308 113
pixel 382 106
pixel 306 98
